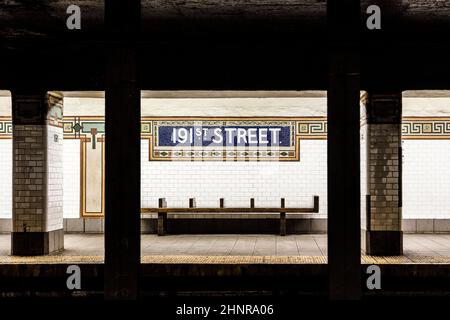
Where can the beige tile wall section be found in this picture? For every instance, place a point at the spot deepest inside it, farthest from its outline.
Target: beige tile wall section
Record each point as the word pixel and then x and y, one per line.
pixel 384 142
pixel 29 188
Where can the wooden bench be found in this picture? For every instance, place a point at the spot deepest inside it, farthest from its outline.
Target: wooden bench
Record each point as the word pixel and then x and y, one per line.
pixel 163 210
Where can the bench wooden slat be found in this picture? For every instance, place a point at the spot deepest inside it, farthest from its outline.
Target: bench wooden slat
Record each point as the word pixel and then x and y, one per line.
pixel 228 210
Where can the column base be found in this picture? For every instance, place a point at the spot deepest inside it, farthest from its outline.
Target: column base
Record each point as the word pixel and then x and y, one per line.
pixel 384 243
pixel 36 243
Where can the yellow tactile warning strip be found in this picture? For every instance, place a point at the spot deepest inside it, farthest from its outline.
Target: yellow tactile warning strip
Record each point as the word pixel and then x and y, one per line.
pixel 51 259
pixel 179 259
pixel 405 260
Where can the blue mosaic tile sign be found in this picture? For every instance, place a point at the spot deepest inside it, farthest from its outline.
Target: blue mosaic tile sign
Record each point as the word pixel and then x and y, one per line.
pixel 224 139
pixel 219 136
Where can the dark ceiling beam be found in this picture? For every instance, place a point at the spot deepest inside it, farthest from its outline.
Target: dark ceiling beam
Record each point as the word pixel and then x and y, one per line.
pixel 229 67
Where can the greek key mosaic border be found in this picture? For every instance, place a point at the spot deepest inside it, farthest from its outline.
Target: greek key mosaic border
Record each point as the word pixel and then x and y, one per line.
pixel 306 127
pixel 5 128
pixel 312 128
pixel 426 128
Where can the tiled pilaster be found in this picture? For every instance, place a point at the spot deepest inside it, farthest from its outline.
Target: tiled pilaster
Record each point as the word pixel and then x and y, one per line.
pixel 37 173
pixel 384 235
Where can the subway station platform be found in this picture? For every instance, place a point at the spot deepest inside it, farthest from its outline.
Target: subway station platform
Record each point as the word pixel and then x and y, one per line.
pixel 234 249
pixel 199 265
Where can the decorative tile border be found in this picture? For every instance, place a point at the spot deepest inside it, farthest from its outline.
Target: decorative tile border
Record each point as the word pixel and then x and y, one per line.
pixel 5 128
pixel 314 128
pixel 55 111
pixel 426 128
pixel 83 127
pixel 91 133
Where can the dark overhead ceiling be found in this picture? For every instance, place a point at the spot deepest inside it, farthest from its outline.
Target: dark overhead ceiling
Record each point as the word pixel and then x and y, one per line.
pixel 223 44
pixel 40 18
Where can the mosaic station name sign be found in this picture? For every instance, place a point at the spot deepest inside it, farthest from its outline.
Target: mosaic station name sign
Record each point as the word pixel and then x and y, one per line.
pixel 223 136
pixel 209 139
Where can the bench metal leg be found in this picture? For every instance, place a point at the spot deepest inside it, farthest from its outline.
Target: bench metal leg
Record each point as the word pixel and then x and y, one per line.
pixel 162 223
pixel 282 223
pixel 283 218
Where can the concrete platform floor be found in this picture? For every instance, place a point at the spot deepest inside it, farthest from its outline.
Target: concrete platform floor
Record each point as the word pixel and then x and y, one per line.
pixel 89 247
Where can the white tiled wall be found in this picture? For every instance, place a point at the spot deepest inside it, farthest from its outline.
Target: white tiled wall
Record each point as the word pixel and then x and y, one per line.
pixel 71 164
pixel 363 131
pixel 363 172
pixel 237 182
pixel 5 178
pixel 426 179
pixel 54 178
